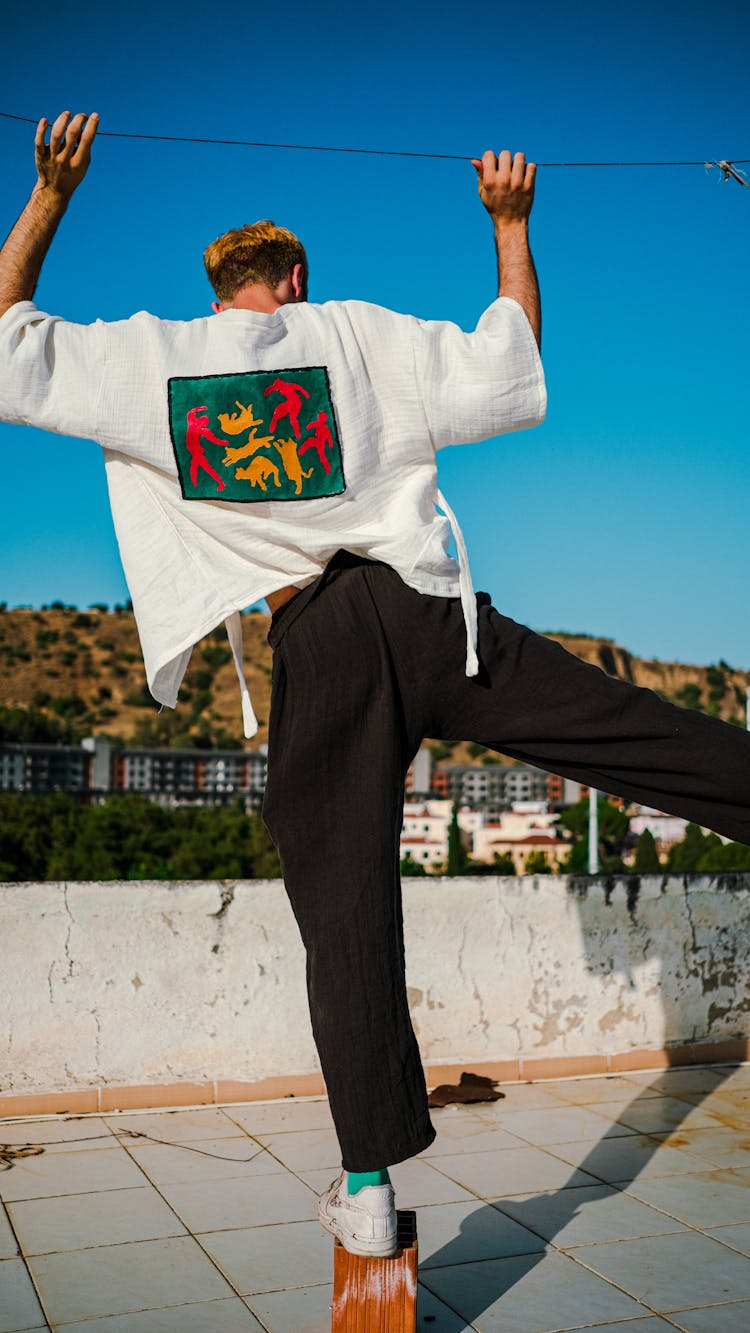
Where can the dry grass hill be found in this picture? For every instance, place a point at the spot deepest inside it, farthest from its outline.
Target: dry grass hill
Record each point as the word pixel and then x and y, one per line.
pixel 83 670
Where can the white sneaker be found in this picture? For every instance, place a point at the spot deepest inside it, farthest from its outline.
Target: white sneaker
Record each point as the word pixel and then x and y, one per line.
pixel 364 1222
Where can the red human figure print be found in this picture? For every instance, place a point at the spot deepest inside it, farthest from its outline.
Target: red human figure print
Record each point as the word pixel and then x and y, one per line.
pixel 320 440
pixel 290 406
pixel 197 431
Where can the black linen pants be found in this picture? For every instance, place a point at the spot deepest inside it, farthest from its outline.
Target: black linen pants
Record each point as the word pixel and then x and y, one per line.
pixel 364 668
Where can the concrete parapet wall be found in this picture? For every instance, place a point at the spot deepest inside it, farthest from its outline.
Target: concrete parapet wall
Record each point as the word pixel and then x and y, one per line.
pixel 118 985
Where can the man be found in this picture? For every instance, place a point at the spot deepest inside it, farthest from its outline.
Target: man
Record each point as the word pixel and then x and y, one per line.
pixel 377 635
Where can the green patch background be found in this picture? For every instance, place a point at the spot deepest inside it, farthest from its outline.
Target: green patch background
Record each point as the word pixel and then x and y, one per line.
pixel 220 393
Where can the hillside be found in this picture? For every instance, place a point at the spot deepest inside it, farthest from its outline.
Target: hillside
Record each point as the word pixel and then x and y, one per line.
pixel 83 670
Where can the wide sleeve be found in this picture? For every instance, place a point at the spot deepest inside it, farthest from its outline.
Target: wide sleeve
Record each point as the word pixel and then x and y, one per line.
pixel 477 385
pixel 51 372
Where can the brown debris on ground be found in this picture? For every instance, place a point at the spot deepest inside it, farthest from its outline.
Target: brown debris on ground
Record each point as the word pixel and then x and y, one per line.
pixel 470 1088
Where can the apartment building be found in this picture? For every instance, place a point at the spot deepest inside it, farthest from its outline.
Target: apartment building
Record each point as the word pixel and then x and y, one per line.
pixel 175 777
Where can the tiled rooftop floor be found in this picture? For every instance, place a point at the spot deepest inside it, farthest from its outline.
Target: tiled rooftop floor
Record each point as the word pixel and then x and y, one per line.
pixel 609 1203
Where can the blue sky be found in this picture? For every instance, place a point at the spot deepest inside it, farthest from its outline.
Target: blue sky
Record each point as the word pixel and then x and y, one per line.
pixel 625 514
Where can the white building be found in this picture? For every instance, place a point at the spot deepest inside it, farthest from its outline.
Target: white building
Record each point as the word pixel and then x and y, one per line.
pixel 424 834
pixel 528 827
pixel 666 830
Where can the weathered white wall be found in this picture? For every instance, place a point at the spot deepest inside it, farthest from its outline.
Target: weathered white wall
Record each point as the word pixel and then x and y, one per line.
pixel 158 982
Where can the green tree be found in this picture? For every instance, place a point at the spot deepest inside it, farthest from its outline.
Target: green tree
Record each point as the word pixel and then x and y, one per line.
pixel 439 750
pixel 475 749
pixel 684 856
pixel 536 863
pixel 458 857
pixel 646 856
pixel 27 724
pixel 411 867
pixel 690 696
pixel 613 827
pixel 730 856
pixel 503 864
pixel 216 655
pixel 129 837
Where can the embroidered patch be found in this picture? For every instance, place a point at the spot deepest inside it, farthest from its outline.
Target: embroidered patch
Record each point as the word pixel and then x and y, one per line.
pixel 258 435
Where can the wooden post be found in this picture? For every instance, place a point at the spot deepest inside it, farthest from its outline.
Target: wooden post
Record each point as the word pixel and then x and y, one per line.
pixel 377 1295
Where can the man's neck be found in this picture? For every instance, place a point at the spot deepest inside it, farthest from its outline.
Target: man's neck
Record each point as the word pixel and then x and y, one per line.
pixel 256 296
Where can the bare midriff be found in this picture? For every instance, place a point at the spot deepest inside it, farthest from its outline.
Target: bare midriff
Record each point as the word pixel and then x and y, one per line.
pixel 278 598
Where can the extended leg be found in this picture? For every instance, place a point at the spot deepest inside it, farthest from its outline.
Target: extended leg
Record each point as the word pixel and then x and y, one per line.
pixel 537 702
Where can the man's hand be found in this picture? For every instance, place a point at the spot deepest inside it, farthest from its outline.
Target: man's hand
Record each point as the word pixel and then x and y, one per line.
pixel 506 188
pixel 62 164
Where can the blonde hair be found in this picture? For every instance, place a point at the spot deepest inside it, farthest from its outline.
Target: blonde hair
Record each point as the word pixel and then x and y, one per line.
pixel 258 252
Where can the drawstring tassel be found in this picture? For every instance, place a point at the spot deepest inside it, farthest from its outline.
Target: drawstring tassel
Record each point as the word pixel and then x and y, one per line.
pixel 234 634
pixel 468 598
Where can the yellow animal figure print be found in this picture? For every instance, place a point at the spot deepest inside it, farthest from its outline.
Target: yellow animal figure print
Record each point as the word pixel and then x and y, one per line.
pixel 292 465
pixel 254 442
pixel 233 423
pixel 257 472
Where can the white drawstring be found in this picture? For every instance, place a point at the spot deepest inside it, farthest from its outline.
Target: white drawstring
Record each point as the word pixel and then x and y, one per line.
pixel 468 603
pixel 234 634
pixel 468 598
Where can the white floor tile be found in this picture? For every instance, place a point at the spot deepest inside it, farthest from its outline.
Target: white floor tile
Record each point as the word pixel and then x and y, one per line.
pixel 435 1317
pixel 656 1115
pixel 528 1294
pixel 722 1147
pixel 8 1243
pixel 737 1237
pixel 272 1258
pixel 560 1124
pixel 625 1158
pixel 519 1097
pixel 729 1318
pixel 705 1200
pixel 583 1216
pixel 304 1150
pixel 72 1134
pixel 107 1217
pixel 607 1088
pixel 280 1117
pixel 222 1316
pixel 118 1279
pixel 472 1135
pixel 204 1159
pixel 418 1182
pixel 69 1173
pixel 302 1310
pixel 513 1171
pixel 218 1205
pixel 208 1122
pixel 671 1272
pixel 458 1233
pixel 19 1307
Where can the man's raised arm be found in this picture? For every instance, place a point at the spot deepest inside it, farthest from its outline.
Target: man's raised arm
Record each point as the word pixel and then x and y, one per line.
pixel 61 166
pixel 506 188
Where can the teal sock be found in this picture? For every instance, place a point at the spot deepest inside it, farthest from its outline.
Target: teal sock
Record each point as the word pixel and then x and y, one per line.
pixel 356 1180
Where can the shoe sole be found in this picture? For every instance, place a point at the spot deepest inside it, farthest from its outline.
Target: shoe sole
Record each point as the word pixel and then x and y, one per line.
pixel 377 1249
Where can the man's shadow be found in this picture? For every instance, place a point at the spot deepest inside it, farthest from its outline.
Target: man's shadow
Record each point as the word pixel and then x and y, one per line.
pixel 548 1213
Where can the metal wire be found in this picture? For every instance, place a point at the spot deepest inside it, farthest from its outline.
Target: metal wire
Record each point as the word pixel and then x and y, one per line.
pixel 373 152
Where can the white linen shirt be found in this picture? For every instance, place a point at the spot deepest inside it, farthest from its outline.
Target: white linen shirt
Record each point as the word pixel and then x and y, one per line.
pixel 400 388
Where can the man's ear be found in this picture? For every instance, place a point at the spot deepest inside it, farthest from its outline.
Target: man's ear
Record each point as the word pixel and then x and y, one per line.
pixel 299 283
pixel 217 307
